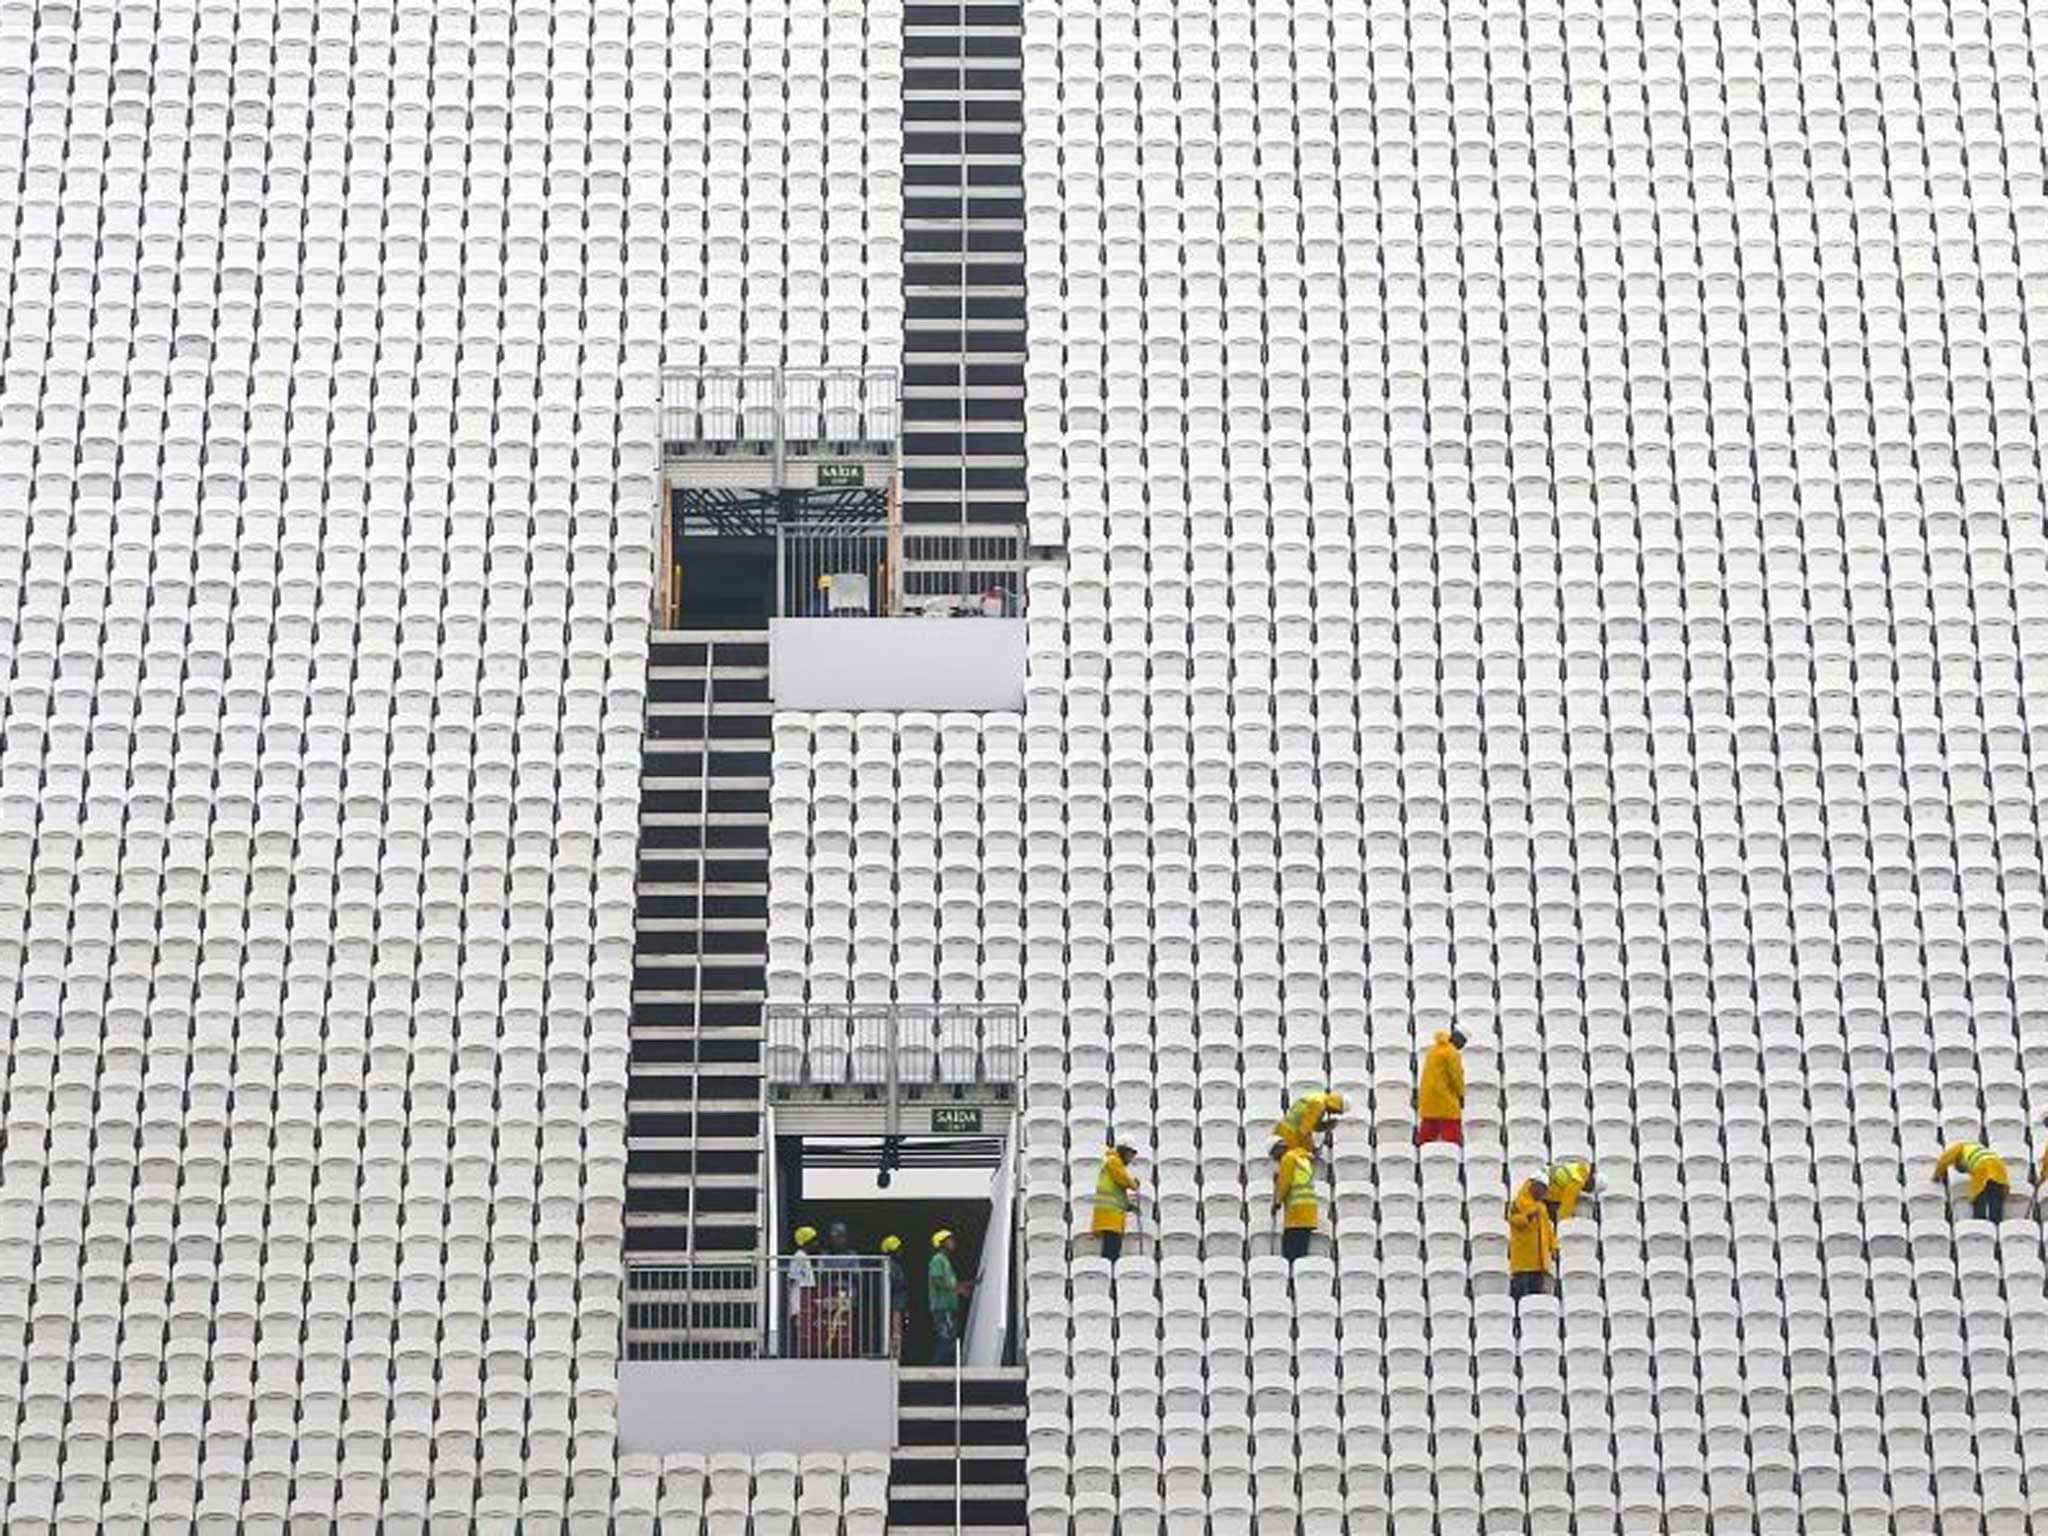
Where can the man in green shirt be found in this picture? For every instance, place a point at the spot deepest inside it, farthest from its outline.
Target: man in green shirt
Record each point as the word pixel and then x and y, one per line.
pixel 947 1295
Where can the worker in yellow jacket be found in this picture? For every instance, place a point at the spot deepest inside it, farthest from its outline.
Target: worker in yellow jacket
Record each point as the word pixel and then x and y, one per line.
pixel 1294 1193
pixel 1565 1184
pixel 1988 1178
pixel 1115 1190
pixel 1532 1242
pixel 1308 1114
pixel 1440 1096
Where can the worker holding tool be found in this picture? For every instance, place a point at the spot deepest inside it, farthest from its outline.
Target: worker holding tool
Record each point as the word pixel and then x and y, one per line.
pixel 1532 1242
pixel 1115 1193
pixel 1294 1193
pixel 1308 1114
pixel 1440 1095
pixel 1566 1184
pixel 1988 1179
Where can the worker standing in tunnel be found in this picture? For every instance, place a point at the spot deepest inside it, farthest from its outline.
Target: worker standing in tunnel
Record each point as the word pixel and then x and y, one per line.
pixel 946 1294
pixel 802 1273
pixel 897 1280
pixel 1440 1095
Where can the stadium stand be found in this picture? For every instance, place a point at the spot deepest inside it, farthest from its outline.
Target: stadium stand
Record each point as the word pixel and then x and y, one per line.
pixel 1555 545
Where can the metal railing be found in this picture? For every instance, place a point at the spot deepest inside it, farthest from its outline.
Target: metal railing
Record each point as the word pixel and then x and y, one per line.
pixel 892 1045
pixel 834 562
pixel 788 1307
pixel 963 572
pixel 782 406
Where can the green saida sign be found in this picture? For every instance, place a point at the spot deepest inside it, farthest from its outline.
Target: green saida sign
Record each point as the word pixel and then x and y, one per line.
pixel 842 474
pixel 957 1118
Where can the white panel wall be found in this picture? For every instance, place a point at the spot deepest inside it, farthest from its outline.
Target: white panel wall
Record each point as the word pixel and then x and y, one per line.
pixel 841 664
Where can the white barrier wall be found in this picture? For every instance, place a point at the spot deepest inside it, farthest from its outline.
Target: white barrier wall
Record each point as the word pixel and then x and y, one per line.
pixel 967 664
pixel 756 1406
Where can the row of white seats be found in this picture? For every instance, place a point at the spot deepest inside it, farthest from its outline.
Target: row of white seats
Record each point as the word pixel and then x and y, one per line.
pixel 824 1495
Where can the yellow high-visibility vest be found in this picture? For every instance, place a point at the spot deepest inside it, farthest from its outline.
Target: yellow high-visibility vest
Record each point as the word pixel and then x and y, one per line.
pixel 1110 1195
pixel 1301 1188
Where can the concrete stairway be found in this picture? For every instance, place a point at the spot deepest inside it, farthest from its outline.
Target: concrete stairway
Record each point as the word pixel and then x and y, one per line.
pixel 693 1175
pixel 976 1454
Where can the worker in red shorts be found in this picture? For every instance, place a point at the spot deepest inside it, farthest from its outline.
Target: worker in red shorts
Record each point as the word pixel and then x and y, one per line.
pixel 1440 1096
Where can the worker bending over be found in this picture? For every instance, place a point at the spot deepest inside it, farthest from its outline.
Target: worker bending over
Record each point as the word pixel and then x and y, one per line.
pixel 1988 1178
pixel 1294 1192
pixel 1565 1185
pixel 1309 1113
pixel 1532 1242
pixel 1115 1187
pixel 1440 1096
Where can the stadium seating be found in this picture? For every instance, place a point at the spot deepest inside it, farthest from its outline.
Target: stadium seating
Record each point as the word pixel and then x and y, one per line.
pixel 1441 642
pixel 329 362
pixel 1555 544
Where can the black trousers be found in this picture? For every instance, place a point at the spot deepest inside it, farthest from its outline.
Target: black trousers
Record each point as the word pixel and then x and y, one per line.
pixel 1532 1282
pixel 1112 1246
pixel 1990 1205
pixel 1294 1242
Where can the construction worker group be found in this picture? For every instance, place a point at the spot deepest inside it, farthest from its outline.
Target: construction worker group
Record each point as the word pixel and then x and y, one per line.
pixel 832 1313
pixel 1534 1211
pixel 843 1306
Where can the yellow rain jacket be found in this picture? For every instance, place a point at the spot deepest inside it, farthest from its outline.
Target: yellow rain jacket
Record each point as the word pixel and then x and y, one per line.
pixel 1113 1186
pixel 1532 1236
pixel 1983 1165
pixel 1568 1182
pixel 1297 1128
pixel 1294 1188
pixel 1441 1095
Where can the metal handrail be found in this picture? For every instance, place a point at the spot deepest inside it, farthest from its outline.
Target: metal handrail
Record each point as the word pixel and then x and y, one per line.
pixel 717 1309
pixel 867 1044
pixel 697 969
pixel 779 406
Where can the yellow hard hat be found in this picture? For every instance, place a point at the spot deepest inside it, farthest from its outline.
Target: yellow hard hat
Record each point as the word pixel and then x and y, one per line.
pixel 891 1243
pixel 805 1235
pixel 825 582
pixel 939 1237
pixel 1336 1101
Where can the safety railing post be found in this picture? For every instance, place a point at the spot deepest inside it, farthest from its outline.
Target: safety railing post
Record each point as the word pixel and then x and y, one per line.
pixel 892 1072
pixel 959 1437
